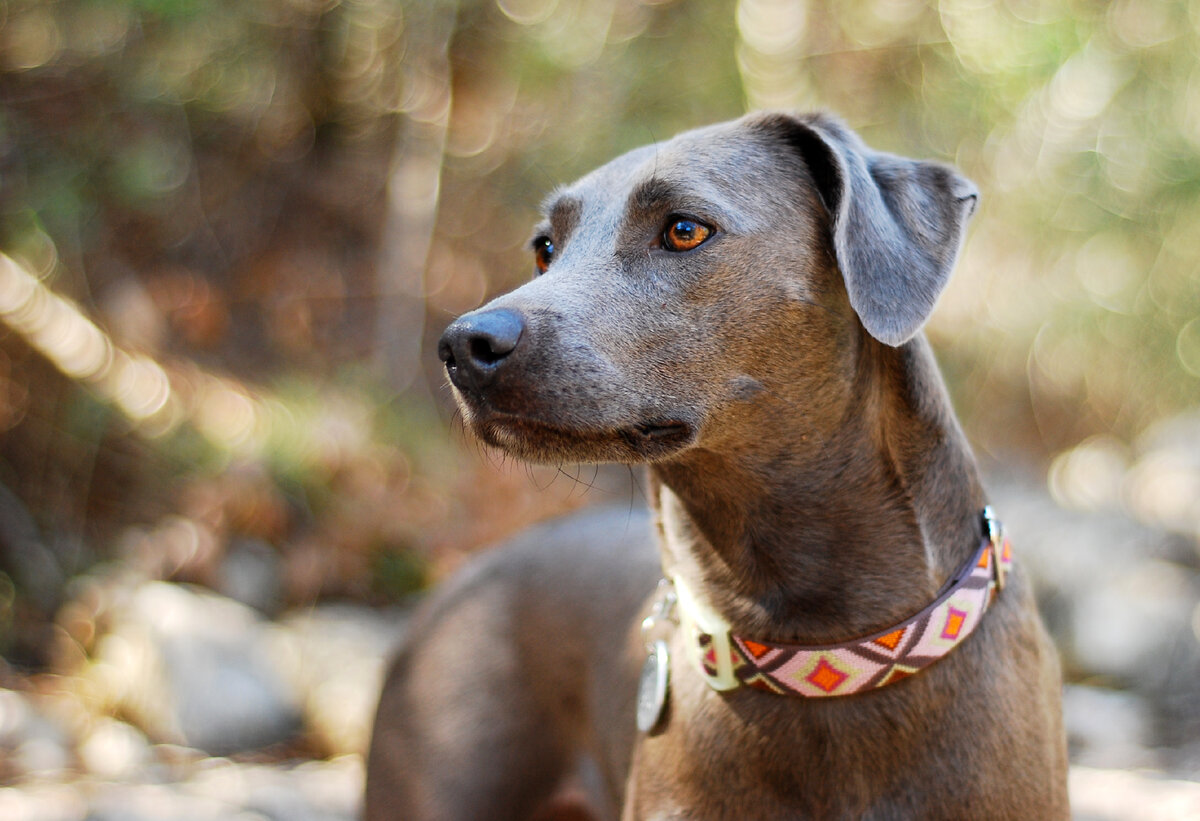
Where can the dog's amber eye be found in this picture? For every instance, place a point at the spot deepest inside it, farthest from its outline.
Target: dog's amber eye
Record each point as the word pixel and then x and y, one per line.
pixel 543 253
pixel 683 234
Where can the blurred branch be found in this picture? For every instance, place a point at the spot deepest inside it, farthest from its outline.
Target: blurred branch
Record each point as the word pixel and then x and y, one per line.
pixel 139 386
pixel 771 53
pixel 414 187
pixel 25 556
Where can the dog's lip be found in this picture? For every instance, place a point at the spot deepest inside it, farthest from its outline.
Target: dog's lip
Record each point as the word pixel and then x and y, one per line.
pixel 662 430
pixel 653 431
pixel 650 439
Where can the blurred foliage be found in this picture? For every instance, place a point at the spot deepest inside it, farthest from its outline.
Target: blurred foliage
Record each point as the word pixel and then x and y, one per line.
pixel 208 183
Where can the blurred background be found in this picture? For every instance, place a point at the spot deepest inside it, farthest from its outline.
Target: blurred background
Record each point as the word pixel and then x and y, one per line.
pixel 231 231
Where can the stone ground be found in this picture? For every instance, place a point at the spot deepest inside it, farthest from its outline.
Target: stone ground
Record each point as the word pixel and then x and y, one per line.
pixel 210 790
pixel 190 706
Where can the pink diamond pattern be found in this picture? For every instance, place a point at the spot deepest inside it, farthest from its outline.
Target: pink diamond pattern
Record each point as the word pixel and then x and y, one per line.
pixel 955 620
pixel 826 676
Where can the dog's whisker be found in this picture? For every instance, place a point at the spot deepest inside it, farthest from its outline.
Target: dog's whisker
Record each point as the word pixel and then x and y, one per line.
pixel 575 483
pixel 588 486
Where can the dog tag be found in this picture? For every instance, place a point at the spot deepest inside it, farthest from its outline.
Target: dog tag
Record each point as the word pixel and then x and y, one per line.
pixel 652 687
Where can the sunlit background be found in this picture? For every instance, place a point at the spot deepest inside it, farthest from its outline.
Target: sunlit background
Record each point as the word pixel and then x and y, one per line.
pixel 230 232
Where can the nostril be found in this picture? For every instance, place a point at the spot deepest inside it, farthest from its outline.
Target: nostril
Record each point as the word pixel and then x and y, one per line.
pixel 484 350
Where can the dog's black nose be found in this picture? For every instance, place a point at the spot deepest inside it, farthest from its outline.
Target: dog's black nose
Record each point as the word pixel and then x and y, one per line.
pixel 475 345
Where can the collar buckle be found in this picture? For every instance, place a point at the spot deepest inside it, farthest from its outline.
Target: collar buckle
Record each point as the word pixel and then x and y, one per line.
pixel 995 536
pixel 699 621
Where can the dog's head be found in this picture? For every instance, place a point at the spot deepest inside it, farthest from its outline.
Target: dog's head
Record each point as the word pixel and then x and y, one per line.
pixel 705 284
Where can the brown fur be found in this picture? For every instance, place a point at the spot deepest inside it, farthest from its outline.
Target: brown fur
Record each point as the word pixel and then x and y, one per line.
pixel 807 474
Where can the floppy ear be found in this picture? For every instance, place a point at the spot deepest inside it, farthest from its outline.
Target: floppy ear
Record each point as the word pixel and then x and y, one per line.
pixel 897 224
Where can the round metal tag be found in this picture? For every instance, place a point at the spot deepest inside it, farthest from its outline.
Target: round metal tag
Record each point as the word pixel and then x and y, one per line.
pixel 652 687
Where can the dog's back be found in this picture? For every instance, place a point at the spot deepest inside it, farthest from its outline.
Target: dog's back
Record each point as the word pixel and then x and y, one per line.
pixel 487 708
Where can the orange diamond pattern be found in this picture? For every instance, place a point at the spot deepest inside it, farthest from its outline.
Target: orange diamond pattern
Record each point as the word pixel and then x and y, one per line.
pixel 755 649
pixel 826 676
pixel 892 640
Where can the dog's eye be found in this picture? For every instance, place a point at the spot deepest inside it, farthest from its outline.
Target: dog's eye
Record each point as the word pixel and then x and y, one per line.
pixel 683 234
pixel 543 253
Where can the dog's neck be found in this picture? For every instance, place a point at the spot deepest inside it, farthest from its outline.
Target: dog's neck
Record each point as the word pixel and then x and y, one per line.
pixel 820 539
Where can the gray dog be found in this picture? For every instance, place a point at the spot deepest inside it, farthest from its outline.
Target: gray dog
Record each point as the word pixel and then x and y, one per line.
pixel 841 632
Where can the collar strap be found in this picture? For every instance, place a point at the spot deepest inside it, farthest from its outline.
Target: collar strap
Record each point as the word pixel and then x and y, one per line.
pixel 728 661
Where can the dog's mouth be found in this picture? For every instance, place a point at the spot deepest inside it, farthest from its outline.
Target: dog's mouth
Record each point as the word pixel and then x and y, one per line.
pixel 536 441
pixel 658 433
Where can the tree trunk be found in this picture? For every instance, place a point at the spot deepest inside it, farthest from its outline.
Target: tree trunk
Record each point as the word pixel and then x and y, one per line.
pixel 412 196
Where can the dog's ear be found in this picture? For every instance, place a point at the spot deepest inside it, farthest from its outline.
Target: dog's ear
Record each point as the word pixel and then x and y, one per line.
pixel 897 224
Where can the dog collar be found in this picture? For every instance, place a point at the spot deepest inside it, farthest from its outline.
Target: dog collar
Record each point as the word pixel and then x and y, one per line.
pixel 728 661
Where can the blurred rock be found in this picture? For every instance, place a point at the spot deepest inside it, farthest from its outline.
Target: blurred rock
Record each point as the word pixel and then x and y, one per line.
pixel 1178 701
pixel 1065 550
pixel 1126 625
pixel 1113 795
pixel 219 791
pixel 251 572
pixel 31 743
pixel 193 668
pixel 1107 728
pixel 1120 598
pixel 1155 482
pixel 42 802
pixel 115 750
pixel 335 656
pixel 1163 487
pixel 315 791
pixel 44 753
pixel 15 714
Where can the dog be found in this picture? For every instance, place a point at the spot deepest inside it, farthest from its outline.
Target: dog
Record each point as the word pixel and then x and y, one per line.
pixel 841 630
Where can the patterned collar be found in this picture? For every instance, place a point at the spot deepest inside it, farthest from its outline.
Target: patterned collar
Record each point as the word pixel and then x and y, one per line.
pixel 728 661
